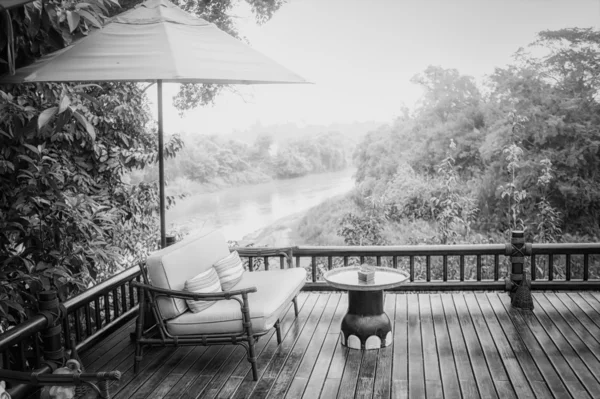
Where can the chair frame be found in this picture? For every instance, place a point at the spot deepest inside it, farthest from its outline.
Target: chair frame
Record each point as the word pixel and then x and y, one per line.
pixel 246 338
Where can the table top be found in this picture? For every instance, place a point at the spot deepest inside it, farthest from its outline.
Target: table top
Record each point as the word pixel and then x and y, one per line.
pixel 346 278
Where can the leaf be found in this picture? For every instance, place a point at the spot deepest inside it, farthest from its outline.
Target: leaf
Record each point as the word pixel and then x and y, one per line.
pixel 88 126
pixel 90 98
pixel 64 104
pixel 32 148
pixel 73 19
pixel 89 17
pixel 45 116
pixel 83 86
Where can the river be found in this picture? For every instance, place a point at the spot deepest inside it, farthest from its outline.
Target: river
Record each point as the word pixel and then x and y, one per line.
pixel 240 211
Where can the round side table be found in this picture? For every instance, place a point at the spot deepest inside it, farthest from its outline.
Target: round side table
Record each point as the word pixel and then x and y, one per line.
pixel 366 325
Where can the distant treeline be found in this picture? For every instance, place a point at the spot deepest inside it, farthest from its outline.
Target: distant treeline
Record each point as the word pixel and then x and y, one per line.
pixel 473 161
pixel 212 159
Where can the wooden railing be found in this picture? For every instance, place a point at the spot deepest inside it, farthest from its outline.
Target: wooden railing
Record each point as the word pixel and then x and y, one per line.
pixel 87 318
pixel 104 308
pixel 446 267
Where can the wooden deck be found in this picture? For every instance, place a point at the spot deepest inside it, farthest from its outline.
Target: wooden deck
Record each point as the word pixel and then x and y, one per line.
pixel 448 345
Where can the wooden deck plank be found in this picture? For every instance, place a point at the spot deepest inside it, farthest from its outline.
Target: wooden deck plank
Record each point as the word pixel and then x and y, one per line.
pixel 238 357
pixel 450 384
pixel 400 349
pixel 350 375
pixel 431 362
pixel 582 312
pixel 477 357
pixel 480 310
pixel 590 299
pixel 336 368
pixel 192 373
pixel 577 319
pixel 286 348
pixel 277 353
pixel 366 376
pixel 544 353
pixel 581 360
pixel 199 355
pixel 242 374
pixel 540 345
pixel 430 355
pixel 541 390
pixel 416 372
pixel 91 356
pixel 464 370
pixel 490 350
pixel 152 376
pixel 315 382
pixel 302 358
pixel 383 377
pixel 330 389
pixel 199 376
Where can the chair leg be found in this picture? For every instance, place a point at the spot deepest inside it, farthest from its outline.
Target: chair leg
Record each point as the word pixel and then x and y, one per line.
pixel 138 357
pixel 295 300
pixel 252 359
pixel 139 332
pixel 278 331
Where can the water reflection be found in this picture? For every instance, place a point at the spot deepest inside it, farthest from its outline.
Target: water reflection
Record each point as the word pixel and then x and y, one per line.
pixel 239 211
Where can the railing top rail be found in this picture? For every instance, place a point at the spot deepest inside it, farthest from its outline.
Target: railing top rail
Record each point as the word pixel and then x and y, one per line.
pixel 402 250
pixel 102 288
pixel 420 250
pixel 38 323
pixel 17 334
pixel 566 248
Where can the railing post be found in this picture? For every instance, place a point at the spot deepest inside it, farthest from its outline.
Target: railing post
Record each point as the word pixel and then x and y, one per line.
pixel 517 285
pixel 54 351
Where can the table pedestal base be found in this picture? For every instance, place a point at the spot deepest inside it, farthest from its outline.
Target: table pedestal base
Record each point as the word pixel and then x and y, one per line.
pixel 366 326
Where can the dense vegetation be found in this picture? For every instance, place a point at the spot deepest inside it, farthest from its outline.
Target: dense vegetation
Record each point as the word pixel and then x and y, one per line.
pixel 68 216
pixel 521 151
pixel 216 161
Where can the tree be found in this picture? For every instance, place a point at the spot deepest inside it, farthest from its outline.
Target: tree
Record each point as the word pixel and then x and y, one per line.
pixel 67 216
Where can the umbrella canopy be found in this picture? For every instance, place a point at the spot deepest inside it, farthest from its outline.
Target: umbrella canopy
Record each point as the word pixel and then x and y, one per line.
pixel 157 41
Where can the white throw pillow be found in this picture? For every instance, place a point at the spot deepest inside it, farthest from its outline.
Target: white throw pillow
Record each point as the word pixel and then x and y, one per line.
pixel 230 270
pixel 205 282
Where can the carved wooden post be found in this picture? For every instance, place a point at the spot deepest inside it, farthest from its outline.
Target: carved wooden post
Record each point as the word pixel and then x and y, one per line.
pixel 49 306
pixel 517 285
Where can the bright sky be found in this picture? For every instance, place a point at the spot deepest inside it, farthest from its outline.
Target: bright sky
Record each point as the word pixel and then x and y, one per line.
pixel 360 55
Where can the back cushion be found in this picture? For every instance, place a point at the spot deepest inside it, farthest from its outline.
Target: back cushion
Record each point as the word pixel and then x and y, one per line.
pixel 171 266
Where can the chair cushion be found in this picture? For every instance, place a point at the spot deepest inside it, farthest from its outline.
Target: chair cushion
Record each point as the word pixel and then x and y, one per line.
pixel 275 290
pixel 172 266
pixel 230 270
pixel 205 282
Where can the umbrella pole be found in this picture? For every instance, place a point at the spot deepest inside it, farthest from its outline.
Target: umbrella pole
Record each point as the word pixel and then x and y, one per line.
pixel 161 169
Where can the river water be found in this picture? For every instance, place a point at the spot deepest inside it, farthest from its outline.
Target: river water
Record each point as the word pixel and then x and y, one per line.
pixel 239 211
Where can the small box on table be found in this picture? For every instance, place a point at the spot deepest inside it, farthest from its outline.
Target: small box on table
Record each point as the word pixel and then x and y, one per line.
pixel 366 274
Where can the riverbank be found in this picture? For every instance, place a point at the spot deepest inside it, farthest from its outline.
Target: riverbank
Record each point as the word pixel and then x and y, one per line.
pixel 282 233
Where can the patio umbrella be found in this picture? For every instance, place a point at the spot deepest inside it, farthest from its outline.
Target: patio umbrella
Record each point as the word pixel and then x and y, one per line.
pixel 157 42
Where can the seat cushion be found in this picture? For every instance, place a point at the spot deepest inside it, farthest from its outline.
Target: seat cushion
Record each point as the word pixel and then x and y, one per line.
pixel 205 282
pixel 275 290
pixel 172 266
pixel 230 270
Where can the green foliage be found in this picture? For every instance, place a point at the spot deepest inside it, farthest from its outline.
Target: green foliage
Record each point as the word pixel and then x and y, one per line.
pixel 365 228
pixel 214 160
pixel 527 152
pixel 67 218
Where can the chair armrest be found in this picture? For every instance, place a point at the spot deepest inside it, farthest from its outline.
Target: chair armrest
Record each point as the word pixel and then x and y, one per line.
pixel 212 296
